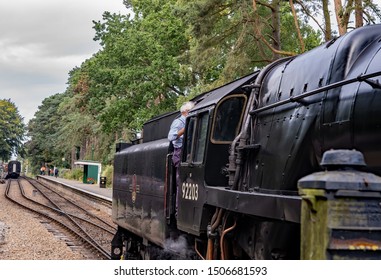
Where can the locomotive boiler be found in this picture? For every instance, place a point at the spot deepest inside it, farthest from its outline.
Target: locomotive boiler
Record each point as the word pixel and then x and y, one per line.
pixel 246 145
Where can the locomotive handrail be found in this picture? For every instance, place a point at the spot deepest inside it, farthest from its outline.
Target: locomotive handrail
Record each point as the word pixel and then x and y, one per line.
pixel 360 78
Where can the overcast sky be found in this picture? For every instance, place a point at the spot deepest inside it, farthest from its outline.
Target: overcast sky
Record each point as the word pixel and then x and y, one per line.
pixel 41 41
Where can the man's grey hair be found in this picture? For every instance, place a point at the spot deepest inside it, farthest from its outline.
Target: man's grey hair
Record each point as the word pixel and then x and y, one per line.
pixel 187 106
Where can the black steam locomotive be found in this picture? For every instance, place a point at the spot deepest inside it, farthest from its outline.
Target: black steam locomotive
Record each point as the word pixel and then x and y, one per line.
pixel 13 169
pixel 246 145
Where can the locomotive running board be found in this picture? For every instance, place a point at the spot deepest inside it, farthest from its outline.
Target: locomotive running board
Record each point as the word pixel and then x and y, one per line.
pixel 272 206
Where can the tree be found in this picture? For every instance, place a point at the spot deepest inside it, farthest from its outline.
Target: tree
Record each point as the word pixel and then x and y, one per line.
pixel 229 39
pixel 12 130
pixel 81 108
pixel 139 72
pixel 349 14
pixel 43 146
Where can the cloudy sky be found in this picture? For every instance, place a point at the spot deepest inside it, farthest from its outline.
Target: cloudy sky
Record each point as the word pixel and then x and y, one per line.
pixel 41 41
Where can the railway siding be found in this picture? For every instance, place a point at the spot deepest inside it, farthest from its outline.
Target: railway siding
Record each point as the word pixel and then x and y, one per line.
pixel 19 237
pixel 24 237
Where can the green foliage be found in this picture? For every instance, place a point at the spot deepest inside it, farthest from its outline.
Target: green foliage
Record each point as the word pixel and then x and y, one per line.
pixel 44 145
pixel 72 174
pixel 140 64
pixel 12 130
pixel 225 41
pixel 289 39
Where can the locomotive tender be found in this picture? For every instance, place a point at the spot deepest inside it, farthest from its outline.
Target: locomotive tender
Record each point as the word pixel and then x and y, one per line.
pixel 246 146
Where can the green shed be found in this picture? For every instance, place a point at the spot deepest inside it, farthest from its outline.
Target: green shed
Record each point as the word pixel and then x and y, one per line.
pixel 91 171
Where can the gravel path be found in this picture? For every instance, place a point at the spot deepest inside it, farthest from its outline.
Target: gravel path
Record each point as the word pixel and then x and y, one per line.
pixel 23 237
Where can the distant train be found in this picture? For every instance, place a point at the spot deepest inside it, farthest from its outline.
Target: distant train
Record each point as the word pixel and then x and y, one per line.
pixel 246 146
pixel 13 169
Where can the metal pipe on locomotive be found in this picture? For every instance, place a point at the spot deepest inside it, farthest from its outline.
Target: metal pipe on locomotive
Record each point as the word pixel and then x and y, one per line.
pixel 246 145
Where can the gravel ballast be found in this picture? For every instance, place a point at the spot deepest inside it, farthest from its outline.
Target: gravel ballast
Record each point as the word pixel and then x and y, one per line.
pixel 23 237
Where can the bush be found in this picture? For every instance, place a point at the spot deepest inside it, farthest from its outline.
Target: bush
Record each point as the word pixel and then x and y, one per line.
pixel 72 174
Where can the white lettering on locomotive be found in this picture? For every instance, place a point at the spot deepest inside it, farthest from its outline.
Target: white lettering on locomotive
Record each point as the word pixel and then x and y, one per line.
pixel 189 191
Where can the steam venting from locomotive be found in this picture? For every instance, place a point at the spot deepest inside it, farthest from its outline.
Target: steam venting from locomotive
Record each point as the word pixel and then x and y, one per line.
pixel 179 246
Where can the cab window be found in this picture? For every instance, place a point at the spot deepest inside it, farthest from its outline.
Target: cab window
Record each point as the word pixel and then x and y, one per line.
pixel 195 138
pixel 201 139
pixel 227 119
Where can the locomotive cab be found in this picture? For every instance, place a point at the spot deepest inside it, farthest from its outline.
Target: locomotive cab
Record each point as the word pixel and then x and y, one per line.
pixel 211 127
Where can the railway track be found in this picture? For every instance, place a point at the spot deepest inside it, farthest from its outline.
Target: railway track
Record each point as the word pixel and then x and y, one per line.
pixel 66 218
pixel 91 199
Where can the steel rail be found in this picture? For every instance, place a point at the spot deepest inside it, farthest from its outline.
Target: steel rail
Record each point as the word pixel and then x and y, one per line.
pixel 74 204
pixel 100 248
pixel 64 212
pixel 75 233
